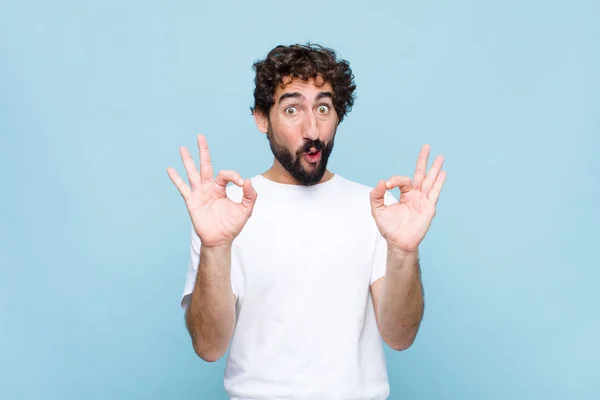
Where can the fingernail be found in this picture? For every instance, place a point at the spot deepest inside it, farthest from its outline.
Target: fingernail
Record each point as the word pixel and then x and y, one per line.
pixel 388 183
pixel 241 181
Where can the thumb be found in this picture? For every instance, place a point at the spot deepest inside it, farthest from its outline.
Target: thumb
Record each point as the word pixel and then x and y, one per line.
pixel 250 195
pixel 377 196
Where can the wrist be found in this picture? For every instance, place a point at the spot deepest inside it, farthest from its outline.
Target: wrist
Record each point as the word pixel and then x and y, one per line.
pixel 219 248
pixel 401 254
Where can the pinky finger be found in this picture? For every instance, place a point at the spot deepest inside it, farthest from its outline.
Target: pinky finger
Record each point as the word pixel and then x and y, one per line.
pixel 434 193
pixel 183 188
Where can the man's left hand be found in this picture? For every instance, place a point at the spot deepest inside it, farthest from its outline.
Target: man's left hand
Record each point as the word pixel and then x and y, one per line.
pixel 405 223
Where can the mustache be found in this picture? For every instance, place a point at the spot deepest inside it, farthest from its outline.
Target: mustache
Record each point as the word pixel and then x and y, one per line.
pixel 316 144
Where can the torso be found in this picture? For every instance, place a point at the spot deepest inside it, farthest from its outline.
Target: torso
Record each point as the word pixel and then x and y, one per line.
pixel 306 325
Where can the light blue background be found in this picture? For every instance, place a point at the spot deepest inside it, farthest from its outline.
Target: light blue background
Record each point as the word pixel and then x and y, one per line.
pixel 96 98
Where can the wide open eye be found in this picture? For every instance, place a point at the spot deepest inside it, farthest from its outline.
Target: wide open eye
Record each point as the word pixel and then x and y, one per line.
pixel 291 111
pixel 323 109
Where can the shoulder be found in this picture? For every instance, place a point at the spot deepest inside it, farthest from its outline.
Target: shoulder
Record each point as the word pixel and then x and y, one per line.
pixel 235 192
pixel 349 184
pixel 360 190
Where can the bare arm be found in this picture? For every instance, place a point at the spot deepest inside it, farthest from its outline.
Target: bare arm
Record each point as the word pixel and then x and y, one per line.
pixel 398 297
pixel 210 316
pixel 217 220
pixel 398 300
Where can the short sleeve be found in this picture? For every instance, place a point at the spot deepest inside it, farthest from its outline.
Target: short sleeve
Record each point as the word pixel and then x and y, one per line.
pixel 380 259
pixel 192 270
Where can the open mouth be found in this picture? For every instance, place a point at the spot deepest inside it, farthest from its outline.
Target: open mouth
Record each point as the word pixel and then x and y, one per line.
pixel 312 156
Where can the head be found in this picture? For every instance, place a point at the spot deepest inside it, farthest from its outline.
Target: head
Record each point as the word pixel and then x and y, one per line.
pixel 302 94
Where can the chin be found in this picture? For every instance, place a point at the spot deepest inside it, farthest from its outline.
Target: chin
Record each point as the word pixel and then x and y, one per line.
pixel 313 179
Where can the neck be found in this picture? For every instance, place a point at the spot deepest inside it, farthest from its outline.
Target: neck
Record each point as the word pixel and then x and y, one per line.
pixel 280 175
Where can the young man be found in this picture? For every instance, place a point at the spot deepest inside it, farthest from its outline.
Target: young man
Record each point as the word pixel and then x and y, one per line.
pixel 301 272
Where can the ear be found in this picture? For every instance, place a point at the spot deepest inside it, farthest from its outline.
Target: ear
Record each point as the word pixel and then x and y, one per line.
pixel 262 123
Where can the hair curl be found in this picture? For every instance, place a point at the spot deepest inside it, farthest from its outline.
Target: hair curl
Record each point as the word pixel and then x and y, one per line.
pixel 303 62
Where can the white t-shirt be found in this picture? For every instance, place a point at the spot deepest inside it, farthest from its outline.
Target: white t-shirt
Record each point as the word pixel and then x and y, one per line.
pixel 301 270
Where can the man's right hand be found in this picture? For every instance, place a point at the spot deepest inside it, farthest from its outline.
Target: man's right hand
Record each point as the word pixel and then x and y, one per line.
pixel 216 218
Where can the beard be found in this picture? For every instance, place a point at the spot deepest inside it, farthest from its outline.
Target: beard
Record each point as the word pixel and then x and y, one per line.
pixel 292 162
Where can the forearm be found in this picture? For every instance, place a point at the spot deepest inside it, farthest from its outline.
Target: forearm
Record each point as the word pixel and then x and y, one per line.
pixel 401 307
pixel 210 316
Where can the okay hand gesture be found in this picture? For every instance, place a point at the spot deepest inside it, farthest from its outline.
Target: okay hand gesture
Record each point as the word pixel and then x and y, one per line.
pixel 216 218
pixel 404 224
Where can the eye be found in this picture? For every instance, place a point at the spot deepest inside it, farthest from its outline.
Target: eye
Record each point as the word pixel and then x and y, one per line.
pixel 291 111
pixel 323 109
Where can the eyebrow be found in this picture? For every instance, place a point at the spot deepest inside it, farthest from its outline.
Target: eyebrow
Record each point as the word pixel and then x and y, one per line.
pixel 298 95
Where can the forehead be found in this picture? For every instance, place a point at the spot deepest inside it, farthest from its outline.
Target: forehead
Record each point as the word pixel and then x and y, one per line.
pixel 309 89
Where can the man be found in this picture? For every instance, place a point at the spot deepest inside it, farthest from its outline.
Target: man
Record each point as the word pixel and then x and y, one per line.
pixel 300 272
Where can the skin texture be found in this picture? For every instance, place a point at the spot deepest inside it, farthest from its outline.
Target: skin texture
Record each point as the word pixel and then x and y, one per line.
pixel 398 297
pixel 210 315
pixel 301 120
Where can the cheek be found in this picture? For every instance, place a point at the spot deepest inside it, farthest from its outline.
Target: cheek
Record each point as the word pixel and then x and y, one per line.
pixel 327 130
pixel 291 124
pixel 287 131
pixel 284 139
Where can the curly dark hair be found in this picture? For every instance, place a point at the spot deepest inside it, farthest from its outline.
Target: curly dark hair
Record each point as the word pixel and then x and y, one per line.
pixel 303 62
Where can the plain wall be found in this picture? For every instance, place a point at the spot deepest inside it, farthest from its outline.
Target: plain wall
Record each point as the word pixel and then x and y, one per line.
pixel 97 97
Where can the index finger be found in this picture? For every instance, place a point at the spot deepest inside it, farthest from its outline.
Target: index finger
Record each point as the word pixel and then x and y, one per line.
pixel 421 169
pixel 206 170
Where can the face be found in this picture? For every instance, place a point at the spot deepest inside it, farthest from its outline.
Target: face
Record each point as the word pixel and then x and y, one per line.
pixel 301 128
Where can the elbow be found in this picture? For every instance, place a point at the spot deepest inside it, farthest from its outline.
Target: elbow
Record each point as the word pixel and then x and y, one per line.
pixel 207 354
pixel 400 346
pixel 401 342
pixel 207 347
pixel 209 357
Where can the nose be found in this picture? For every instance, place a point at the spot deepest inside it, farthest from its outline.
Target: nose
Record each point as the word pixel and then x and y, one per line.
pixel 310 129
